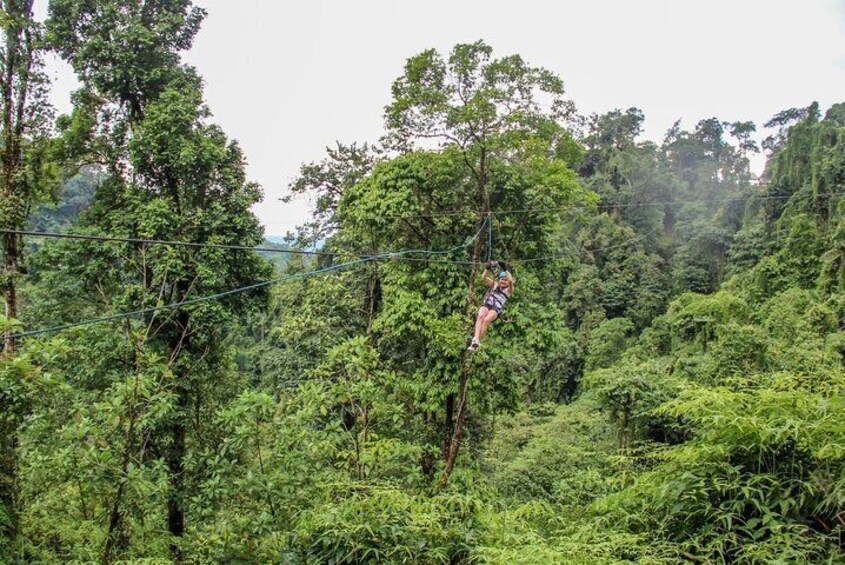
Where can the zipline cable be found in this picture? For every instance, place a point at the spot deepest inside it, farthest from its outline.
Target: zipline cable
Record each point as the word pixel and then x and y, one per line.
pixel 172 243
pixel 489 225
pixel 235 247
pixel 362 257
pixel 305 274
pixel 152 309
pixel 537 210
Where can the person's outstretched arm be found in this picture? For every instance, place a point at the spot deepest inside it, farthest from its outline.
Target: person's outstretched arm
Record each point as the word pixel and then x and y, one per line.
pixel 485 276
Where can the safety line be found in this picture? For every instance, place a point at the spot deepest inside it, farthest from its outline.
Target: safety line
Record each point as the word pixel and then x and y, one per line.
pixel 172 243
pixel 239 290
pixel 514 211
pixel 179 304
pixel 425 260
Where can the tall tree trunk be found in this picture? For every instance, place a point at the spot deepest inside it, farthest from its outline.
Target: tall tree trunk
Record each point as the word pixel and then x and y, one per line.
pixel 457 432
pixel 17 59
pixel 177 432
pixel 448 424
pixel 668 220
pixel 8 476
pixel 175 464
pixel 175 459
pixel 117 540
pixel 10 162
pixel 458 428
pixel 10 295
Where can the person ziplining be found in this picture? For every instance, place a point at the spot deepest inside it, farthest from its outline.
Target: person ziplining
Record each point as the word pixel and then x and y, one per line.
pixel 500 290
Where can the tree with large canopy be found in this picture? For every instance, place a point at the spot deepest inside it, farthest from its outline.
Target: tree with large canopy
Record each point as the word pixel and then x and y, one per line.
pixel 172 175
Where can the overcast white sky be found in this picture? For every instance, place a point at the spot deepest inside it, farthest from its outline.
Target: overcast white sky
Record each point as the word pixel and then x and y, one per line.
pixel 288 78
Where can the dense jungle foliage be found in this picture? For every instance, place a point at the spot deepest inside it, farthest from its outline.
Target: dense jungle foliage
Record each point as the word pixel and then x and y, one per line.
pixel 665 386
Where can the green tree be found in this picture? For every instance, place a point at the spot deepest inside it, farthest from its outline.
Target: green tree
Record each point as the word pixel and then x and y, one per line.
pixel 124 50
pixel 342 168
pixel 29 176
pixel 171 175
pixel 29 171
pixel 487 109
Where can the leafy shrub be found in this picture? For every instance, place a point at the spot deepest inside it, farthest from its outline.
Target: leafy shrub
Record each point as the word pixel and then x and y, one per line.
pixel 379 524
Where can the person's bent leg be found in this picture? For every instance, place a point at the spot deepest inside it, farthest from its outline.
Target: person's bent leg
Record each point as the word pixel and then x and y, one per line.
pixel 479 320
pixel 485 323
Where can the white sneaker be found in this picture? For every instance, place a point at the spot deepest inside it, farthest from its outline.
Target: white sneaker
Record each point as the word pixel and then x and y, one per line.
pixel 473 345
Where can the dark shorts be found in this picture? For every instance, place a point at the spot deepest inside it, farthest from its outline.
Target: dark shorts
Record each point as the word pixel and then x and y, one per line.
pixel 493 304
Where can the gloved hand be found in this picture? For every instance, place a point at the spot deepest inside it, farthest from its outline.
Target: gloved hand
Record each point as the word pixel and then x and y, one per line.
pixel 492 264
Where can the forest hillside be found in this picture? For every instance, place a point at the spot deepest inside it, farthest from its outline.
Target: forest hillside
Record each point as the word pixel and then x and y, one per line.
pixel 665 384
